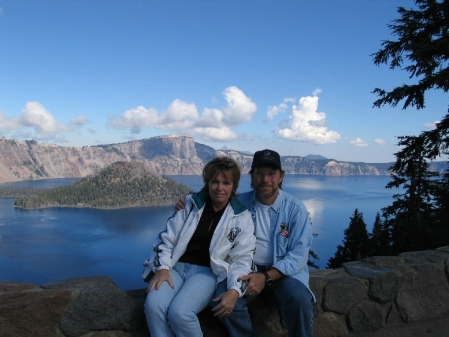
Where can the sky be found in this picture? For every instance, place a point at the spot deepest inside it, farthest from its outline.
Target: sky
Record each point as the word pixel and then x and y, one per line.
pixel 294 76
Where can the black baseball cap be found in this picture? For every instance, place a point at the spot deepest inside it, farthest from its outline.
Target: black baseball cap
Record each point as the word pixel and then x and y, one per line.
pixel 266 157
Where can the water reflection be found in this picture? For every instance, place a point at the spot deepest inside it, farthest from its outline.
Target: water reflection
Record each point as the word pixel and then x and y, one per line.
pixel 315 208
pixel 57 243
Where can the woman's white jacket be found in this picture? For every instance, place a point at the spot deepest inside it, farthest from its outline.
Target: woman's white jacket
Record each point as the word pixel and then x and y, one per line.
pixel 231 249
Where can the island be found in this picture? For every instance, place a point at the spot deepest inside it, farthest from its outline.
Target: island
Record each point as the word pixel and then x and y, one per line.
pixel 121 184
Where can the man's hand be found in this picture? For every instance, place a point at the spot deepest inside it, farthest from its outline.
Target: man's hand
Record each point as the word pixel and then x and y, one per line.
pixel 227 303
pixel 256 283
pixel 161 276
pixel 180 205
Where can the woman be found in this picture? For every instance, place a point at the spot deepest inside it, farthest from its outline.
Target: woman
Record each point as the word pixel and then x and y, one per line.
pixel 211 239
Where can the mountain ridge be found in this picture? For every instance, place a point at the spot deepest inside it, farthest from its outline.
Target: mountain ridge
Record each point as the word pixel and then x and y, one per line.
pixel 164 155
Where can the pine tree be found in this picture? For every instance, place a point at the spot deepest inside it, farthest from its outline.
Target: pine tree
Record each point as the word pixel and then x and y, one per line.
pixel 412 211
pixel 380 238
pixel 422 44
pixel 418 218
pixel 441 224
pixel 356 244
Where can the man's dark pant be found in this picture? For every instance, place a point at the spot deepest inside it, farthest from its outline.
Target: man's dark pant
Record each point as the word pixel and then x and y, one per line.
pixel 292 298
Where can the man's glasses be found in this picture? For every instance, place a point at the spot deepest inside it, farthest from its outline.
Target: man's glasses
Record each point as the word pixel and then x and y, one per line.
pixel 261 174
pixel 223 162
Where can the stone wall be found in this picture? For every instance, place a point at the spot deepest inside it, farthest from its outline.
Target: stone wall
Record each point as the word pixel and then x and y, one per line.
pixel 377 292
pixel 368 295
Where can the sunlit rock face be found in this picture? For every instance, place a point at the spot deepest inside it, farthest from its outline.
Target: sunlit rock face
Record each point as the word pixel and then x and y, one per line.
pixel 169 155
pixel 28 160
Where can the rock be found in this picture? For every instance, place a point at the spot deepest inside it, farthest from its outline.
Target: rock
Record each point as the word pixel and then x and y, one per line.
pixel 266 318
pixel 99 305
pixel 80 283
pixel 384 282
pixel 363 297
pixel 384 288
pixel 393 316
pixel 364 270
pixel 330 324
pixel 417 294
pixel 366 316
pixel 100 308
pixel 166 155
pixel 342 293
pixel 72 308
pixel 27 310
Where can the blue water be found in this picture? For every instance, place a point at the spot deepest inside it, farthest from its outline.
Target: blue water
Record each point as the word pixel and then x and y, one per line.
pixel 57 243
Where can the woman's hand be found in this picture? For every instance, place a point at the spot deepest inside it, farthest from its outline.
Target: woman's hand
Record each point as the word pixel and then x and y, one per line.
pixel 227 303
pixel 180 205
pixel 160 276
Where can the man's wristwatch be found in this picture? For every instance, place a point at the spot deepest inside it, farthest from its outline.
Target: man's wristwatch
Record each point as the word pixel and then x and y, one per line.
pixel 268 280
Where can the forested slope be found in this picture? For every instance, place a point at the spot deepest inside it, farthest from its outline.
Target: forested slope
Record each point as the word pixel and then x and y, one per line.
pixel 122 184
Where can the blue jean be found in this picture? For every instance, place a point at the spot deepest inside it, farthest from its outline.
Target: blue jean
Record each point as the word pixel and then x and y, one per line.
pixel 173 312
pixel 291 297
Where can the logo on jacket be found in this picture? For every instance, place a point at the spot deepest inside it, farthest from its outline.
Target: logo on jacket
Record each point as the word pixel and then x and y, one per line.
pixel 233 233
pixel 284 230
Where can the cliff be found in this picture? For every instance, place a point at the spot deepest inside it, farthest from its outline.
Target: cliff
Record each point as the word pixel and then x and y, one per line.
pixel 28 160
pixel 169 155
pixel 377 294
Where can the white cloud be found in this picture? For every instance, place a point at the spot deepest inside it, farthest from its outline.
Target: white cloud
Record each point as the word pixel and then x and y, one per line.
pixel 317 91
pixel 213 133
pixel 379 141
pixel 35 115
pixel 210 118
pixel 8 123
pixel 358 142
pixel 212 124
pixel 240 108
pixel 306 124
pixel 135 117
pixel 22 134
pixel 80 120
pixel 273 111
pixel 431 125
pixel 179 116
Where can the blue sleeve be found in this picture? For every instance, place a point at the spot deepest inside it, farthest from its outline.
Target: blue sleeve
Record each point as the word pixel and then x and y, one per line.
pixel 292 257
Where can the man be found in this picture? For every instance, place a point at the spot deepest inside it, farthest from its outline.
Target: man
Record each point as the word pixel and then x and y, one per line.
pixel 283 240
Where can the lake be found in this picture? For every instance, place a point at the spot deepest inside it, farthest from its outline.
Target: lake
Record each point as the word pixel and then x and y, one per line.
pixel 57 243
